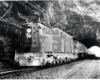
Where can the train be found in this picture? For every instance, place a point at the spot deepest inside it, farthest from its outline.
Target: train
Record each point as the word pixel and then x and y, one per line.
pixel 41 44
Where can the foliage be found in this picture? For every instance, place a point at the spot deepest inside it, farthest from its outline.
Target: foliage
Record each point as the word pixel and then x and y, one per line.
pixel 61 16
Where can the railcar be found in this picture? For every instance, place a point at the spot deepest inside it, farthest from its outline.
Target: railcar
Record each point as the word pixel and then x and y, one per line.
pixel 41 44
pixel 75 48
pixel 80 49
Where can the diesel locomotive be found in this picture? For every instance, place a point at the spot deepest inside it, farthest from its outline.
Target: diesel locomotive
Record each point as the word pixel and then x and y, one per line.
pixel 41 44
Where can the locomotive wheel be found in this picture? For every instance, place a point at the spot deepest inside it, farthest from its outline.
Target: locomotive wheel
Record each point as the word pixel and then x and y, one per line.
pixel 65 61
pixel 57 61
pixel 54 62
pixel 61 60
pixel 42 64
pixel 69 60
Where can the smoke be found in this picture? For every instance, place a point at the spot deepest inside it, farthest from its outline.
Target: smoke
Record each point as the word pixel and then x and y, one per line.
pixel 95 50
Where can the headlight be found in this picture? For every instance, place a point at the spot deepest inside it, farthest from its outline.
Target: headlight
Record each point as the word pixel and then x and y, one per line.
pixel 28 30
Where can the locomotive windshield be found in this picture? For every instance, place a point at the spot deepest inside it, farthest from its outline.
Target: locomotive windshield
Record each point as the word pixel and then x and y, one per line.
pixel 26 39
pixel 30 39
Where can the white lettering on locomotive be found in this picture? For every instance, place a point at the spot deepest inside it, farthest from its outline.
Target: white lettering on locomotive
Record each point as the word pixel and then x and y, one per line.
pixel 28 35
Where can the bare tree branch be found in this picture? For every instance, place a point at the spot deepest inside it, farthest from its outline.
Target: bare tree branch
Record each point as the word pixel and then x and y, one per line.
pixel 8 10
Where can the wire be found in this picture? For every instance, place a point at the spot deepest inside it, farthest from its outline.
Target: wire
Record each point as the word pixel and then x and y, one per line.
pixel 49 14
pixel 25 6
pixel 39 10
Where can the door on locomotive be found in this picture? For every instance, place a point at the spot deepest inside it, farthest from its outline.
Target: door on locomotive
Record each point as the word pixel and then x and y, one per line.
pixel 75 47
pixel 29 54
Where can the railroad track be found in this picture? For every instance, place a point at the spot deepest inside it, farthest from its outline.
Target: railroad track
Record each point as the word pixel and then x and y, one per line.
pixel 6 73
pixel 73 71
pixel 12 72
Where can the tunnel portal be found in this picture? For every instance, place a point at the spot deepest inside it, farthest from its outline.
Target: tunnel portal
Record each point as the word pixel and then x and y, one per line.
pixel 89 42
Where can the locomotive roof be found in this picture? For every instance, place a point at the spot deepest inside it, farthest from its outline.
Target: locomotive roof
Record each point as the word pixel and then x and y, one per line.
pixel 44 23
pixel 63 32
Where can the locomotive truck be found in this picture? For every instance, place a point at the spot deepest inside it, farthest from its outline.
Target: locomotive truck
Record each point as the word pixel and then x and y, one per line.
pixel 41 44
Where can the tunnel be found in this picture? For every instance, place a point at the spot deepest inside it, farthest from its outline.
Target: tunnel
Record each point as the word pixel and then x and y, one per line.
pixel 89 42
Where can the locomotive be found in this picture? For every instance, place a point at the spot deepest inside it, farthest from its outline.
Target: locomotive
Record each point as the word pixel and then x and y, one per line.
pixel 41 44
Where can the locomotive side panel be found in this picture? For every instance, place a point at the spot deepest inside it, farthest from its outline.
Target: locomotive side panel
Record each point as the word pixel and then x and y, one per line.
pixel 50 40
pixel 76 46
pixel 57 41
pixel 46 43
pixel 57 44
pixel 81 48
pixel 45 37
pixel 35 39
pixel 72 45
pixel 64 41
pixel 68 47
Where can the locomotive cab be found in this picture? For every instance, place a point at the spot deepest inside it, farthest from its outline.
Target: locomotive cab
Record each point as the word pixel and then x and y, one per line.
pixel 26 39
pixel 41 44
pixel 29 54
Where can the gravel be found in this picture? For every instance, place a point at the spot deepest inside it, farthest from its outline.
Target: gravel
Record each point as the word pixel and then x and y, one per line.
pixel 89 70
pixel 49 73
pixel 85 69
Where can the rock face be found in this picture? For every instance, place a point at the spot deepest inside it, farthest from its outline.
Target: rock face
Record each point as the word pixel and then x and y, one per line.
pixel 68 16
